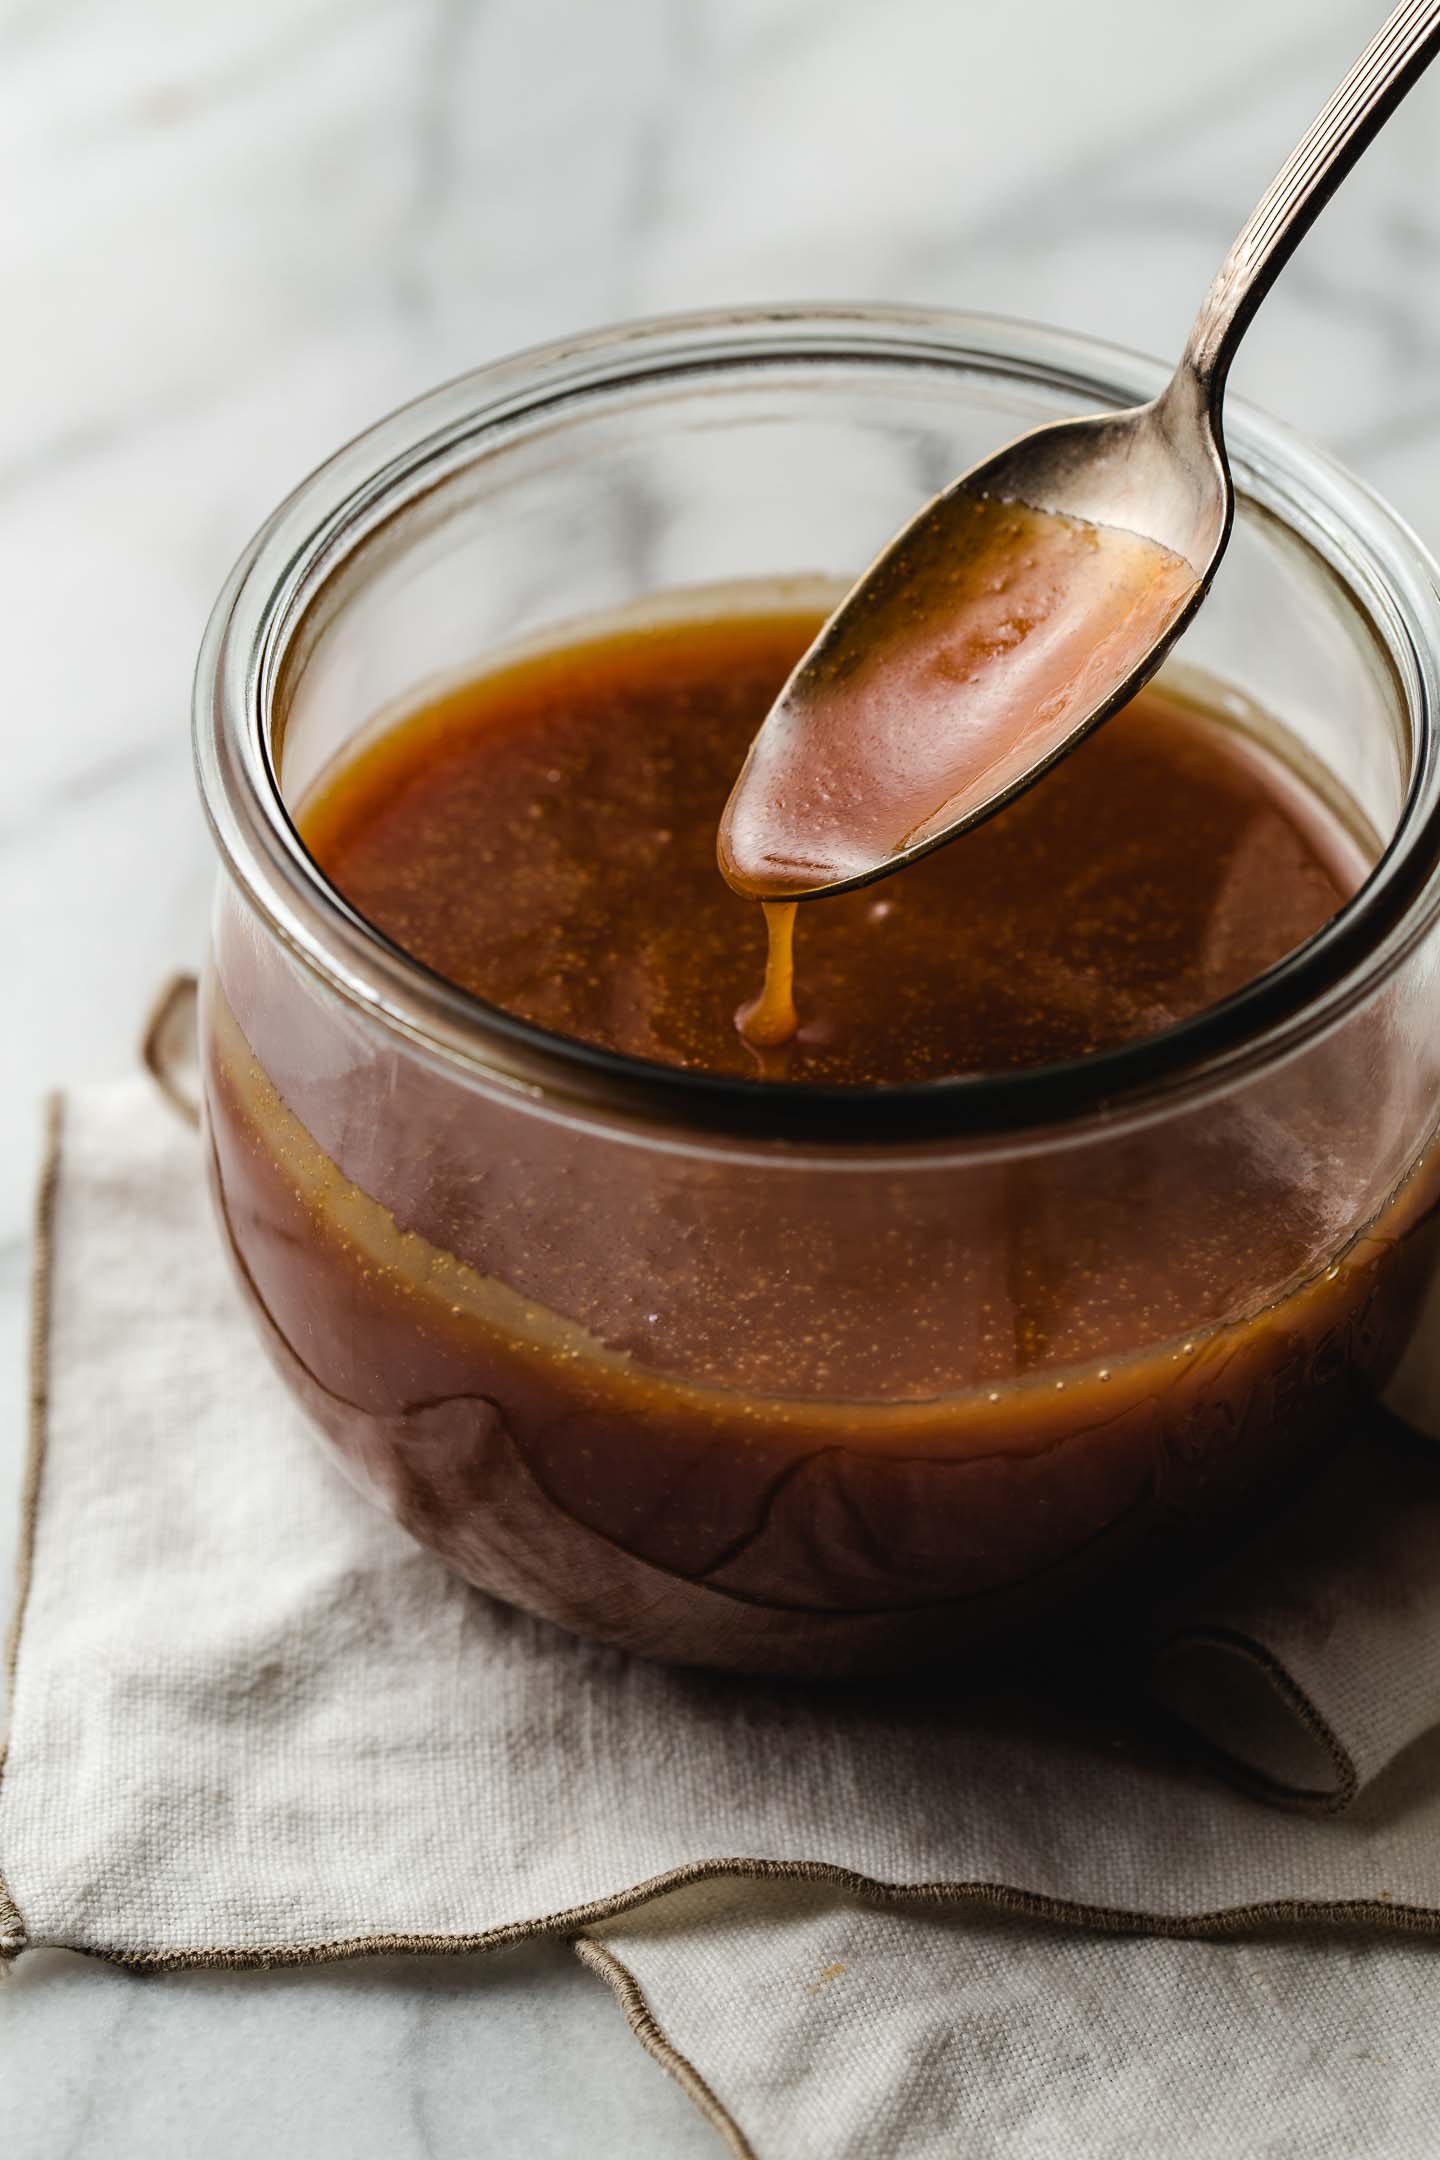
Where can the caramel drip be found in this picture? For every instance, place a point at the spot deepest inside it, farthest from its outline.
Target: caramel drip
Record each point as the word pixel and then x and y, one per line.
pixel 770 1019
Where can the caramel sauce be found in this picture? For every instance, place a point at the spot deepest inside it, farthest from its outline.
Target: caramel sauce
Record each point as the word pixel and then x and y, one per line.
pixel 544 837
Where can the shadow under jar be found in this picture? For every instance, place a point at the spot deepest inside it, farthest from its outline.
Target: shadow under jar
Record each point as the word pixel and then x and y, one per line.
pixel 518 1280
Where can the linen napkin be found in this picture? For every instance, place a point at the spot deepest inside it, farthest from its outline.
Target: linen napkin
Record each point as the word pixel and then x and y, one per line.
pixel 252 1723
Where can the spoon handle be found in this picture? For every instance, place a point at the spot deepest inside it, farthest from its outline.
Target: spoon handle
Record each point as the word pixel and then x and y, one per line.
pixel 1391 63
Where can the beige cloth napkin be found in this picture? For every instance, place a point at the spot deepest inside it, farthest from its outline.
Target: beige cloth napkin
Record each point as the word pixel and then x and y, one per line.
pixel 252 1723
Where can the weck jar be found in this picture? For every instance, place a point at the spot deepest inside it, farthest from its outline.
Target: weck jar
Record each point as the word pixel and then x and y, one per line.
pixel 514 1277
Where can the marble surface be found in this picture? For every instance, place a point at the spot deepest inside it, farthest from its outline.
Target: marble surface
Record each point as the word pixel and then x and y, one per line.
pixel 231 236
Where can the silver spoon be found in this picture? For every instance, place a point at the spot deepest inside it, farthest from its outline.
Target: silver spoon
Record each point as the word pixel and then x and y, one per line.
pixel 986 641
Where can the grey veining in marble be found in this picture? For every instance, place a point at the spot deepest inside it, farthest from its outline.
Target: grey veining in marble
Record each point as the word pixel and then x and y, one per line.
pixel 517 2054
pixel 229 236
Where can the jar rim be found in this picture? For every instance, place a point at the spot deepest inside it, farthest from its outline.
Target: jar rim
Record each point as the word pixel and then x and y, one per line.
pixel 1382 563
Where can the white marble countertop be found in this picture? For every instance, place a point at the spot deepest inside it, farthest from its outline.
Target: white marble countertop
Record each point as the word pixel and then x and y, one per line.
pixel 229 236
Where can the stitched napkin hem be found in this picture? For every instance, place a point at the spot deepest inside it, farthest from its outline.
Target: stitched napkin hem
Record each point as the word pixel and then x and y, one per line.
pixel 640 2018
pixel 13 1938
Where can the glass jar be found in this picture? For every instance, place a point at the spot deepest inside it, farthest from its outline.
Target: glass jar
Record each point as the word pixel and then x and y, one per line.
pixel 512 1276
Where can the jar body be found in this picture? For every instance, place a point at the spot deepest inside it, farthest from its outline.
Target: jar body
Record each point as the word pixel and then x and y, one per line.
pixel 762 1402
pixel 524 1334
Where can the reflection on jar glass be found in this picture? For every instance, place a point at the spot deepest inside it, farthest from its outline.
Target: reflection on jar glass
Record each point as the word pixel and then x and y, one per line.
pixel 796 1378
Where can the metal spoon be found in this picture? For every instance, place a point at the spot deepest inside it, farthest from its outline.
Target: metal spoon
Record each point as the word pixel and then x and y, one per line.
pixel 986 641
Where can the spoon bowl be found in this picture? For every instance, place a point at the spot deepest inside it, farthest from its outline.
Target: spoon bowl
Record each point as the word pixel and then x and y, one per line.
pixel 1011 616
